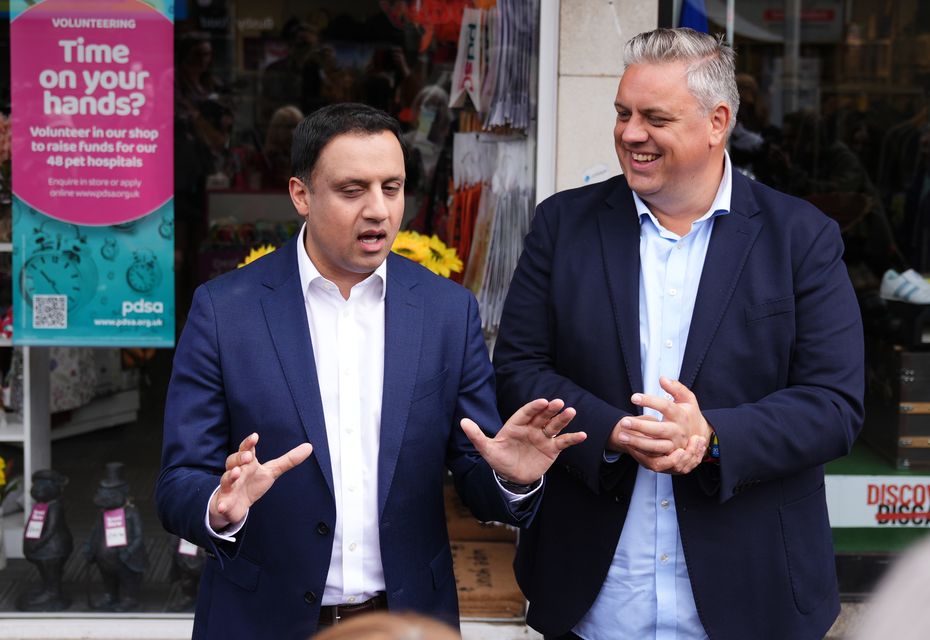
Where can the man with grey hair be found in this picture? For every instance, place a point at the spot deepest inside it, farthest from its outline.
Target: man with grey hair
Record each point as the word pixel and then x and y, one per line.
pixel 705 329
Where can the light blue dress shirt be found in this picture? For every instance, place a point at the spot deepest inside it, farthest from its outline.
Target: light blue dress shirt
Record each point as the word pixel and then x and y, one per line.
pixel 647 593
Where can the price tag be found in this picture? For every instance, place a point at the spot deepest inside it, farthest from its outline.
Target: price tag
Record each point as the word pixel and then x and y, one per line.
pixel 114 527
pixel 36 521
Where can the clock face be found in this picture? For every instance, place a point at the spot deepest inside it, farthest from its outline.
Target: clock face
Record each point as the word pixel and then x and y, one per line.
pixel 57 273
pixel 143 276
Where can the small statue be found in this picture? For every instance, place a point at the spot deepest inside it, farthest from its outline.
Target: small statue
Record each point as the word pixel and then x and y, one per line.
pixel 47 543
pixel 186 566
pixel 116 543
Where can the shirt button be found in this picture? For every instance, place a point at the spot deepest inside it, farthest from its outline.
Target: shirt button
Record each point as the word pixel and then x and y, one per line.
pixel 672 291
pixel 668 344
pixel 350 599
pixel 663 558
pixel 352 487
pixel 664 504
pixel 352 547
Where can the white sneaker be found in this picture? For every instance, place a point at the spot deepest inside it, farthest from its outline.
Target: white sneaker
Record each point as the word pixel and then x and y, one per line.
pixel 905 287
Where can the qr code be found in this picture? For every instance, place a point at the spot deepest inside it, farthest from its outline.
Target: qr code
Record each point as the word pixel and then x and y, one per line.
pixel 49 312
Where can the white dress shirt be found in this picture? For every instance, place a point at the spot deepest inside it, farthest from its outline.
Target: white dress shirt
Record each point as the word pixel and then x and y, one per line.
pixel 348 351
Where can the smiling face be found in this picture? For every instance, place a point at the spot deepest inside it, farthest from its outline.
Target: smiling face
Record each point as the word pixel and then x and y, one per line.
pixel 670 150
pixel 353 205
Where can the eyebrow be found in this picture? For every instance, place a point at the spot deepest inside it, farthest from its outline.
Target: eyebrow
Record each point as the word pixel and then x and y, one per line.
pixel 648 111
pixel 345 182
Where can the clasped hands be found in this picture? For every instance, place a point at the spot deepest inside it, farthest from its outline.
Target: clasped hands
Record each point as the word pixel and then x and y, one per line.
pixel 675 444
pixel 522 451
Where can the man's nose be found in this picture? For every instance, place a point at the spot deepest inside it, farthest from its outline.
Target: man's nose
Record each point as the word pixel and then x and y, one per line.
pixel 376 208
pixel 632 130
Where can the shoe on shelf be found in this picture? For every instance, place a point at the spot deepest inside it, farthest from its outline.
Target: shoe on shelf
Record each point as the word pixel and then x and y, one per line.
pixel 905 287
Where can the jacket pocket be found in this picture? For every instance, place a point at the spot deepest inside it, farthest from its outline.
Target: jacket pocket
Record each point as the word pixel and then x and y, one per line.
pixel 770 308
pixel 430 385
pixel 241 572
pixel 808 541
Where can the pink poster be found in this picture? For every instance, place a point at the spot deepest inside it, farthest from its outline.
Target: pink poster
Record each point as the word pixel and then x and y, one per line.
pixel 92 84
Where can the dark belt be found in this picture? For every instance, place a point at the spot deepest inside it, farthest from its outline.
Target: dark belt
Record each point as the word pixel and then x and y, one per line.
pixel 335 613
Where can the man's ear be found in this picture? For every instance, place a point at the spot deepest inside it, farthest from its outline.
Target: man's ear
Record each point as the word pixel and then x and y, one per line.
pixel 300 196
pixel 720 123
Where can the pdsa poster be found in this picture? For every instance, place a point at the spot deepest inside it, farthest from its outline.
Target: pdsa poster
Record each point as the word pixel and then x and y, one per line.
pixel 93 214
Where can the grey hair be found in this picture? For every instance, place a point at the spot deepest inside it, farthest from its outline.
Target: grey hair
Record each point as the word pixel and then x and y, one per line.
pixel 711 72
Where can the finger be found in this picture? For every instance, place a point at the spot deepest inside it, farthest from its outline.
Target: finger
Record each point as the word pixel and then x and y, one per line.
pixel 533 413
pixel 647 426
pixel 228 478
pixel 249 442
pixel 290 459
pixel 678 391
pixel 559 422
pixel 567 440
pixel 238 458
pixel 545 414
pixel 657 403
pixel 475 435
pixel 647 446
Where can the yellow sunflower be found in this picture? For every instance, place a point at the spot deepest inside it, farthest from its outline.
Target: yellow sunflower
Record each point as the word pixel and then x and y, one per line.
pixel 411 244
pixel 442 260
pixel 257 253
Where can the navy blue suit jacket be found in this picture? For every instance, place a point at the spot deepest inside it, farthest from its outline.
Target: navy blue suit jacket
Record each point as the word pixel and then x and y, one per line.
pixel 775 357
pixel 245 363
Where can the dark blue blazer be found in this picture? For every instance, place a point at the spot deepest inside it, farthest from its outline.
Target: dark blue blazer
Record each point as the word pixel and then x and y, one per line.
pixel 775 357
pixel 245 363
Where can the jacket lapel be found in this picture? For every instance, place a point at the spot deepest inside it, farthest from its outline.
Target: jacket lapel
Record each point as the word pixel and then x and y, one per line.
pixel 619 233
pixel 403 333
pixel 287 323
pixel 732 237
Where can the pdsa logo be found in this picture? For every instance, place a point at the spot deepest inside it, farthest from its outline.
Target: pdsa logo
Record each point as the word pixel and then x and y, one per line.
pixel 142 306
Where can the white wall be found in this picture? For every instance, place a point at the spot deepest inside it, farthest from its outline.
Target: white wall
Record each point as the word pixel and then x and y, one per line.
pixel 592 34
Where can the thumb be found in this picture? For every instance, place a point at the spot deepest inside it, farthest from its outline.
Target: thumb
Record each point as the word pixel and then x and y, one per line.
pixel 474 433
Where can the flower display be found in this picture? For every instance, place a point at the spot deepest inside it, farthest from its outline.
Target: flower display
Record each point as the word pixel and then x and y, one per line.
pixel 6 487
pixel 257 253
pixel 429 251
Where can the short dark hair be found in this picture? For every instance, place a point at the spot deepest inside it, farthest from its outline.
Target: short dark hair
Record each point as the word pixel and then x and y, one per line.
pixel 316 130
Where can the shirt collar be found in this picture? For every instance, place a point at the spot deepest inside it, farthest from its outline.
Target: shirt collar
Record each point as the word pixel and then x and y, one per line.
pixel 309 273
pixel 720 205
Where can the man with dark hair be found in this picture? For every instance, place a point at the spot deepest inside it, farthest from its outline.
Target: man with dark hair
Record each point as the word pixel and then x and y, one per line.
pixel 704 327
pixel 336 346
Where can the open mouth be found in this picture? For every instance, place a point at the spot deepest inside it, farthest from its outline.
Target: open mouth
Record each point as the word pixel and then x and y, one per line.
pixel 644 157
pixel 372 238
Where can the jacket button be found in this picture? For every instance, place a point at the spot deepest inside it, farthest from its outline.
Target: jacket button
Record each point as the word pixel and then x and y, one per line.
pixel 309 597
pixel 322 528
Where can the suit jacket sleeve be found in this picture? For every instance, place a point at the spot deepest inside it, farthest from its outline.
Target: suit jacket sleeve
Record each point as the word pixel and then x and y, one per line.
pixel 525 359
pixel 196 432
pixel 815 418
